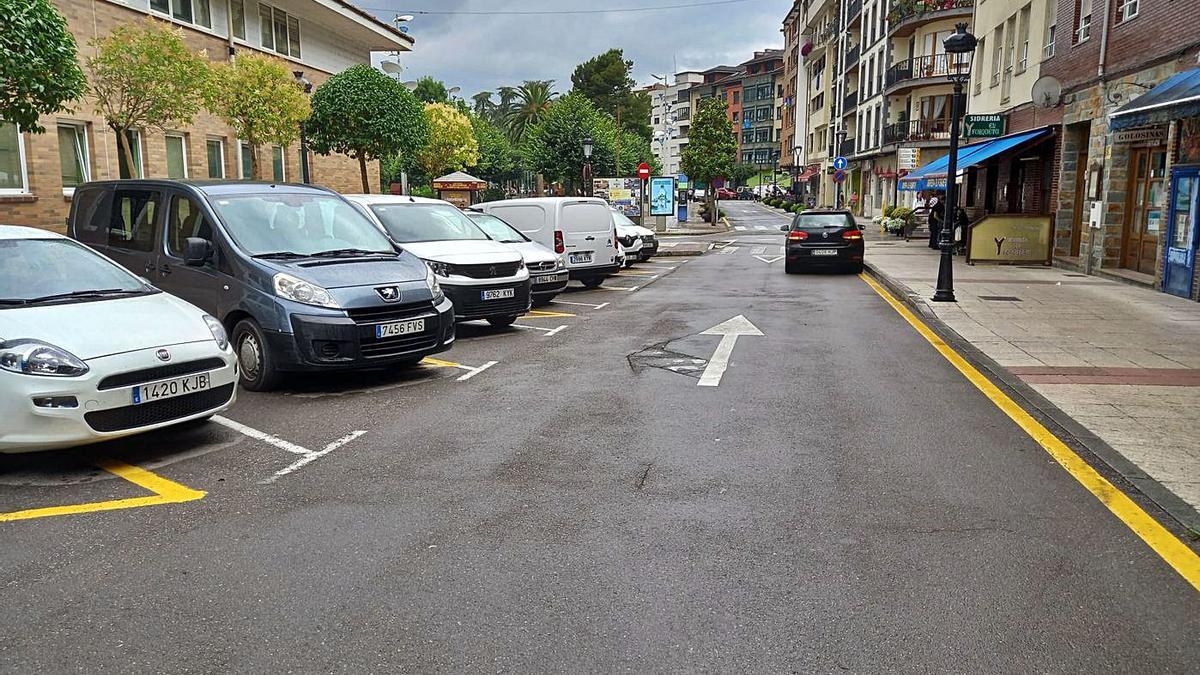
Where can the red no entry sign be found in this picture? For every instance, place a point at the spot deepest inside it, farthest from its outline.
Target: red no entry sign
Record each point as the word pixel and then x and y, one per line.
pixel 644 171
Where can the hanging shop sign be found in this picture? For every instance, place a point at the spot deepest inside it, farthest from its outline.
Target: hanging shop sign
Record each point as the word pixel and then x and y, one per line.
pixel 984 126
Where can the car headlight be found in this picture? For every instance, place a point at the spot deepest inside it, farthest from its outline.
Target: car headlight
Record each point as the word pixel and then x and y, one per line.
pixel 34 357
pixel 439 268
pixel 291 288
pixel 520 264
pixel 562 264
pixel 218 331
pixel 434 287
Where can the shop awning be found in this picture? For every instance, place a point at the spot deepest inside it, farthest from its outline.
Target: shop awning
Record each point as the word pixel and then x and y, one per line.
pixel 933 174
pixel 1174 98
pixel 807 174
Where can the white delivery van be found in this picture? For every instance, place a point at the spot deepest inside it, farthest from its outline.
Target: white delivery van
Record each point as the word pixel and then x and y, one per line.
pixel 579 228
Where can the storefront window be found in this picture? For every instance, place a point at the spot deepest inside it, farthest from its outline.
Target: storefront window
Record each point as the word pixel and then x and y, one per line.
pixel 1185 193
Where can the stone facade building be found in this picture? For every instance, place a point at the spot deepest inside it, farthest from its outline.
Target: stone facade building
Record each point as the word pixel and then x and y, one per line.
pixel 38 172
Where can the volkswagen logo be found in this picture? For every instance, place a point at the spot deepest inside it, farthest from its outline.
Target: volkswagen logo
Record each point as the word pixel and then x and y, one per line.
pixel 824 235
pixel 389 293
pixel 163 355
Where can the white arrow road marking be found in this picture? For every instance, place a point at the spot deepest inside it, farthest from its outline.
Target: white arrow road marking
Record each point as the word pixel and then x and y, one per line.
pixel 769 259
pixel 729 331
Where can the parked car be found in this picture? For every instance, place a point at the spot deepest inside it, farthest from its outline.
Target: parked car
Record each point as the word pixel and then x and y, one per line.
pixel 746 193
pixel 548 274
pixel 629 241
pixel 726 193
pixel 485 279
pixel 579 227
pixel 823 238
pixel 627 228
pixel 300 278
pixel 90 352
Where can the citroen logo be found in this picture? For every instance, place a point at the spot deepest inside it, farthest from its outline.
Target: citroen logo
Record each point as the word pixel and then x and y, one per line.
pixel 163 355
pixel 389 293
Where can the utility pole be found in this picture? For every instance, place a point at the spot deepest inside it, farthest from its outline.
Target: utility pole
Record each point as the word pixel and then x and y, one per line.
pixel 617 164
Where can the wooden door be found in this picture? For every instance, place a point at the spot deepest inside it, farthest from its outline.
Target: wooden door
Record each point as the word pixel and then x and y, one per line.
pixel 1145 206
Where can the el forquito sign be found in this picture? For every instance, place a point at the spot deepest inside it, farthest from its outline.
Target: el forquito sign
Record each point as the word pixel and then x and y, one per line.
pixel 984 126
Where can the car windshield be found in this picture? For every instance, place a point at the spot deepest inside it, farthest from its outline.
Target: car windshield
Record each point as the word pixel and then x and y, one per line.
pixel 59 270
pixel 622 219
pixel 408 223
pixel 821 221
pixel 299 224
pixel 497 229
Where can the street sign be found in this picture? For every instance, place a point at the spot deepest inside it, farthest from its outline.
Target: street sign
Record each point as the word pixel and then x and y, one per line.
pixel 908 158
pixel 839 175
pixel 643 171
pixel 984 126
pixel 682 179
pixel 840 163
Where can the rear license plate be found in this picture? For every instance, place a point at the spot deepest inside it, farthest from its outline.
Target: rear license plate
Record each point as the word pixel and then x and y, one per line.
pixel 497 293
pixel 580 258
pixel 398 328
pixel 144 393
pixel 550 279
pixel 824 251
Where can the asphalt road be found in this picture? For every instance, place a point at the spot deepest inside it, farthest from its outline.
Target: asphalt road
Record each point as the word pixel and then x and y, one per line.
pixel 843 500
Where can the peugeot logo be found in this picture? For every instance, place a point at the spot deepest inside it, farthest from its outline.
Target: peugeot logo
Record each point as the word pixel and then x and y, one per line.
pixel 163 355
pixel 492 271
pixel 389 293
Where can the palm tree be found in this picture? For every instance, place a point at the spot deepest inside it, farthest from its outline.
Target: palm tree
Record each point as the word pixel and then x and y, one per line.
pixel 483 104
pixel 529 102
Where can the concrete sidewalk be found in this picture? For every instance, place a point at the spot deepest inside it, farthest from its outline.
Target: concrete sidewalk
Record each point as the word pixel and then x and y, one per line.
pixel 1123 362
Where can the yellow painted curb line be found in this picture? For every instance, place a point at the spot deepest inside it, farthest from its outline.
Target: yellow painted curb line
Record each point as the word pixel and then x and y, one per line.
pixel 438 363
pixel 543 314
pixel 1177 554
pixel 165 492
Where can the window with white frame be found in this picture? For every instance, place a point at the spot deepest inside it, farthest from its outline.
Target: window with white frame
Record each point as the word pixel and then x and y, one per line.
pixel 997 54
pixel 279 31
pixel 176 156
pixel 1010 57
pixel 1051 29
pixel 198 12
pixel 1083 20
pixel 1126 9
pixel 134 138
pixel 277 168
pixel 215 147
pixel 246 160
pixel 1023 39
pixel 978 74
pixel 13 176
pixel 73 155
pixel 237 11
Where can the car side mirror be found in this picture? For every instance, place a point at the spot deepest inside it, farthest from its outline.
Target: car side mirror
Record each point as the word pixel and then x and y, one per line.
pixel 784 228
pixel 197 251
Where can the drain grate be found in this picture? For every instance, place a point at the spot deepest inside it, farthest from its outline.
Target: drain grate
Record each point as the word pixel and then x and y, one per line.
pixel 1000 298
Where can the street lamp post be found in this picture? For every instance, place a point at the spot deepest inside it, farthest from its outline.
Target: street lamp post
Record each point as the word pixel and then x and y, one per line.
pixel 960 47
pixel 587 165
pixel 307 87
pixel 796 171
pixel 840 137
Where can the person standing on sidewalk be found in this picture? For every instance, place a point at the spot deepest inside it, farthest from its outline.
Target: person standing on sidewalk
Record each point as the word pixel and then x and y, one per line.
pixel 937 218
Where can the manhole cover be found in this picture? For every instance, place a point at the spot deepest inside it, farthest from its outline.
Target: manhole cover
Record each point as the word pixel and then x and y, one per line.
pixel 660 357
pixel 1000 298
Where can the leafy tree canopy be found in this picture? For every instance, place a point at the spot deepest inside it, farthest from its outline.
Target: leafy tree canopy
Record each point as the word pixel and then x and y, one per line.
pixel 554 146
pixel 497 157
pixel 367 115
pixel 259 99
pixel 39 70
pixel 711 148
pixel 452 143
pixel 429 90
pixel 606 80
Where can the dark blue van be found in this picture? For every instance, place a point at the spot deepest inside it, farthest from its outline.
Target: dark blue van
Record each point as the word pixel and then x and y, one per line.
pixel 301 279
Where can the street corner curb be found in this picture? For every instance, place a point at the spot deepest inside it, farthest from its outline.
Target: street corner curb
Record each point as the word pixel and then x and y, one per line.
pixel 1171 504
pixel 673 253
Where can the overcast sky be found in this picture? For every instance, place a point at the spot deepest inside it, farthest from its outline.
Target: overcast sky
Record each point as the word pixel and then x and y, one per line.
pixel 484 52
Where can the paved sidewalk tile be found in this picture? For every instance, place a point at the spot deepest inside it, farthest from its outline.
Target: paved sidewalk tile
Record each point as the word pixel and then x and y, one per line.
pixel 1123 361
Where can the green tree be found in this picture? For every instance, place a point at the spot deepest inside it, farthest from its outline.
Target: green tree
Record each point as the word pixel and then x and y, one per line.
pixel 554 146
pixel 452 143
pixel 39 70
pixel 429 90
pixel 740 173
pixel 259 99
pixel 367 115
pixel 711 148
pixel 497 158
pixel 483 105
pixel 607 81
pixel 145 76
pixel 526 106
pixel 634 150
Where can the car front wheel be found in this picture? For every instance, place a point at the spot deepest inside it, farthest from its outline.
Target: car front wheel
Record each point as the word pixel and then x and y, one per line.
pixel 255 361
pixel 502 321
pixel 592 282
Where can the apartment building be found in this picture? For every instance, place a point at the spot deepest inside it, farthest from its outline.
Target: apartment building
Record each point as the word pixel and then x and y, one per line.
pixel 39 172
pixel 792 122
pixel 670 118
pixel 762 101
pixel 819 54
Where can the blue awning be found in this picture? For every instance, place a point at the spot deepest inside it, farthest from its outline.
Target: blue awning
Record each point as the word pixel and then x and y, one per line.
pixel 1174 98
pixel 933 174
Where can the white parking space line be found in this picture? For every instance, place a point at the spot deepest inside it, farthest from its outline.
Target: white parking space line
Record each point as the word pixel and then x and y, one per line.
pixel 312 456
pixel 739 227
pixel 261 436
pixel 758 250
pixel 472 372
pixel 548 331
pixel 581 304
pixel 615 288
pixel 781 249
pixel 730 250
pixel 760 227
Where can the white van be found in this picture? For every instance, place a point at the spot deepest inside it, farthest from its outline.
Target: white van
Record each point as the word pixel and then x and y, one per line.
pixel 579 228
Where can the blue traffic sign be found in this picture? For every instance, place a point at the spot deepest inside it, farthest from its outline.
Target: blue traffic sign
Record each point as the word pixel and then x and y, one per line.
pixel 840 163
pixel 839 175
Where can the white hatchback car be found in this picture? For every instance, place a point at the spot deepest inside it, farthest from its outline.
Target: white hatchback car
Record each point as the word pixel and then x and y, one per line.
pixel 483 278
pixel 90 352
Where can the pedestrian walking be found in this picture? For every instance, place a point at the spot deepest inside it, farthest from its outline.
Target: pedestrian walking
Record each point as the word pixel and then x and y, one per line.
pixel 937 218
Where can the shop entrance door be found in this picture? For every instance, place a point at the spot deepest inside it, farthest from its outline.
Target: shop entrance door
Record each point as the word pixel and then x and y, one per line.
pixel 1145 208
pixel 1180 265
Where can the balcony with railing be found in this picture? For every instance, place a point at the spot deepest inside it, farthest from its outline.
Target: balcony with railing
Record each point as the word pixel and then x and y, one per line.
pixel 915 72
pixel 850 103
pixel 907 15
pixel 847 148
pixel 851 58
pixel 853 13
pixel 917 131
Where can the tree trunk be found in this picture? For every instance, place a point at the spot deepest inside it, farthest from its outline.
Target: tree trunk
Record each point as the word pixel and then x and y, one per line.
pixel 362 170
pixel 710 196
pixel 255 165
pixel 124 149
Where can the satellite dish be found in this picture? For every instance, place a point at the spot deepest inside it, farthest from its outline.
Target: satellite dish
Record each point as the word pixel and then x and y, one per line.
pixel 453 90
pixel 1047 92
pixel 404 29
pixel 410 85
pixel 391 67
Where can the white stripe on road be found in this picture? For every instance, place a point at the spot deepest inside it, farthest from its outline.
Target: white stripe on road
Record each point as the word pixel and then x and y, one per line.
pixel 739 227
pixel 729 250
pixel 313 456
pixel 547 331
pixel 758 250
pixel 261 436
pixel 472 372
pixel 761 227
pixel 581 304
